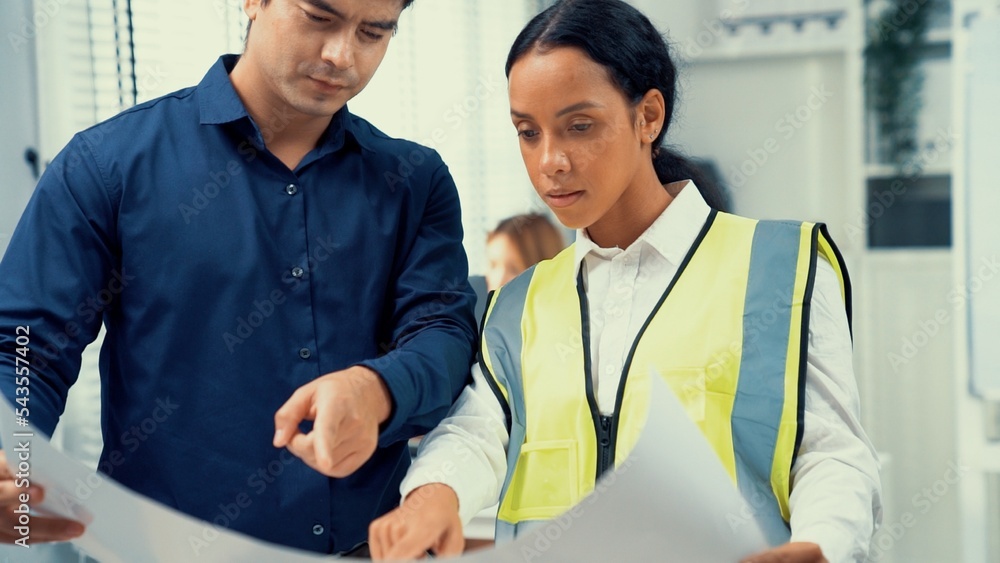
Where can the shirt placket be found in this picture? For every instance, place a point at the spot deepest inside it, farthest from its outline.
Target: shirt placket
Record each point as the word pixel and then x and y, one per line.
pixel 304 353
pixel 615 337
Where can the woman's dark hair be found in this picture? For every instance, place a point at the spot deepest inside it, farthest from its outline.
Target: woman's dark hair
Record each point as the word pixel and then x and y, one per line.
pixel 624 41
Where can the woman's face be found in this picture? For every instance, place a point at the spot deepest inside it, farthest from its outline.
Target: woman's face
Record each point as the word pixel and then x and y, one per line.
pixel 503 261
pixel 579 137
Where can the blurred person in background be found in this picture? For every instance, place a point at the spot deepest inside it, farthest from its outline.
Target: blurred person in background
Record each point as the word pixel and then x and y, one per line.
pixel 518 243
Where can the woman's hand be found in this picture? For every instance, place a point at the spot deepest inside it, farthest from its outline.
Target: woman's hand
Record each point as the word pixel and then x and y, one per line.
pixel 427 520
pixel 795 552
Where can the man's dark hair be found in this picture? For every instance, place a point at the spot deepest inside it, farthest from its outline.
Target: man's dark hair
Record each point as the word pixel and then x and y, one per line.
pixel 406 4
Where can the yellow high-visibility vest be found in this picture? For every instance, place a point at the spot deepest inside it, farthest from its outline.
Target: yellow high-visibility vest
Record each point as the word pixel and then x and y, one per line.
pixel 729 335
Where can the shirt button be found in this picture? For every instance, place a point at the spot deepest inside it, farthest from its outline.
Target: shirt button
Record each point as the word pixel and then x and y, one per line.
pixel 609 369
pixel 297 272
pixel 304 353
pixel 291 189
pixel 317 530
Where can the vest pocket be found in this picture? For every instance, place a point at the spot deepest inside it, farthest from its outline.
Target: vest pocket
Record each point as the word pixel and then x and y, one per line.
pixel 544 483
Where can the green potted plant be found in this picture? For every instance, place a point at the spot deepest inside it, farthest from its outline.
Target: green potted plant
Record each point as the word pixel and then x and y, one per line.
pixel 893 77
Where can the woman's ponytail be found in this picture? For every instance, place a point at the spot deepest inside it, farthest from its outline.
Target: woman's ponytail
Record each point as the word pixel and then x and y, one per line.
pixel 672 166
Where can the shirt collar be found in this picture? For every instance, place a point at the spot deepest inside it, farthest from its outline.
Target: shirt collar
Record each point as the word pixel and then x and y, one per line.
pixel 220 104
pixel 217 98
pixel 671 234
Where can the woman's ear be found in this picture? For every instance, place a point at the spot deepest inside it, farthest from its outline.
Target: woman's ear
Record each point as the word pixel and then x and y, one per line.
pixel 651 111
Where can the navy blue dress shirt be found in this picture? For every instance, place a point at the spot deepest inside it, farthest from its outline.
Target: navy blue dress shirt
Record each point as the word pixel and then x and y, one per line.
pixel 226 281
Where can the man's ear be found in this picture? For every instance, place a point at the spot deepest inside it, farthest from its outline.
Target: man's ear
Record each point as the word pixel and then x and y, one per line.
pixel 250 8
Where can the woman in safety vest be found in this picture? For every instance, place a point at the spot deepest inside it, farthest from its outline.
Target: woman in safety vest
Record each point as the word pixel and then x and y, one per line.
pixel 748 321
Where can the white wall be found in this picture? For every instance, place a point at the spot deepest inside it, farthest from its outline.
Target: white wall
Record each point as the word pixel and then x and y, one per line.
pixel 910 410
pixel 780 158
pixel 18 113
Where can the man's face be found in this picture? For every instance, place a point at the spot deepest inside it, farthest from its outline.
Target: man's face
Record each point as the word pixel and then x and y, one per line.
pixel 315 55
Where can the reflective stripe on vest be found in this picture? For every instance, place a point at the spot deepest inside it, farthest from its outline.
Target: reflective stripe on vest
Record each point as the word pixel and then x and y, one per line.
pixel 729 335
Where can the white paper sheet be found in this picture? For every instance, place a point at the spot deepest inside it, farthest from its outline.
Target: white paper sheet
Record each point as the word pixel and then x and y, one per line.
pixel 123 526
pixel 671 501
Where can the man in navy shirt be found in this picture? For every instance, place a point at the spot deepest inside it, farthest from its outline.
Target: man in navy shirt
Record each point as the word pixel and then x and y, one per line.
pixel 260 257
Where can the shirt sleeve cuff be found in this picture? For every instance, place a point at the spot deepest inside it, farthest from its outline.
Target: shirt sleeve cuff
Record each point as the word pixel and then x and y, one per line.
pixel 446 474
pixel 402 393
pixel 836 544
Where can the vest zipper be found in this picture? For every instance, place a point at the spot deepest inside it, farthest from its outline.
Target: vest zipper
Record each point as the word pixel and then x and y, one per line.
pixel 606 427
pixel 605 457
pixel 603 425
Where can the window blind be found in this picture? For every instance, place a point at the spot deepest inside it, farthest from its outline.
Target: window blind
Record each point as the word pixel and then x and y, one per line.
pixel 99 57
pixel 442 84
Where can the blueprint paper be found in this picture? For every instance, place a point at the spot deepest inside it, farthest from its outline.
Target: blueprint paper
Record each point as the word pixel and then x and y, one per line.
pixel 671 500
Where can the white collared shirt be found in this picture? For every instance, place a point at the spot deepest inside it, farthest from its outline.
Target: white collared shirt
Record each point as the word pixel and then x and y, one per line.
pixel 836 492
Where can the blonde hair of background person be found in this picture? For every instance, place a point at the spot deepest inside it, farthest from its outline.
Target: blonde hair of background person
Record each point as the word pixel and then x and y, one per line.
pixel 518 243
